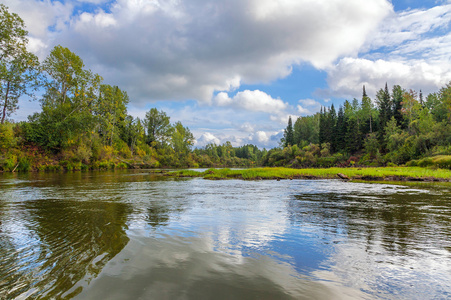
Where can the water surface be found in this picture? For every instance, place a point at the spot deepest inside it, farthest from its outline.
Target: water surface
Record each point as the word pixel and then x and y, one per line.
pixel 136 235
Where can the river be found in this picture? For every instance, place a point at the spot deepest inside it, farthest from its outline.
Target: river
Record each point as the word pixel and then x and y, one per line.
pixel 138 235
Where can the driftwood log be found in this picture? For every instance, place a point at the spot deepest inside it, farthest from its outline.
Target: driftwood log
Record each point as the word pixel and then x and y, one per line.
pixel 343 176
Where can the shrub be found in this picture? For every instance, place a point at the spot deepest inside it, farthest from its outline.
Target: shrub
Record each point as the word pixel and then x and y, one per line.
pixel 9 163
pixel 83 153
pixel 443 161
pixel 24 164
pixel 7 139
pixel 425 162
pixel 122 149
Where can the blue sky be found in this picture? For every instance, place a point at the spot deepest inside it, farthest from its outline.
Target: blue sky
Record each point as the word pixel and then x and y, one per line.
pixel 234 70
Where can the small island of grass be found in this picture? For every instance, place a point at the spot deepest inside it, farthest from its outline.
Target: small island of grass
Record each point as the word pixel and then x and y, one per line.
pixel 372 174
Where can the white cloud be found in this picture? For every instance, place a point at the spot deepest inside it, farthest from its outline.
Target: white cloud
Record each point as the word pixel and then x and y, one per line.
pixel 282 118
pixel 261 137
pixel 246 127
pixel 252 101
pixel 178 50
pixel 350 74
pixel 207 138
pixel 410 48
pixel 308 107
pixel 264 139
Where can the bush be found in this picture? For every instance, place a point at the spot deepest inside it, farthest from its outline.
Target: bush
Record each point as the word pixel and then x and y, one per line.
pixel 83 153
pixel 122 149
pixel 7 139
pixel 10 163
pixel 425 162
pixel 326 162
pixel 443 161
pixel 24 164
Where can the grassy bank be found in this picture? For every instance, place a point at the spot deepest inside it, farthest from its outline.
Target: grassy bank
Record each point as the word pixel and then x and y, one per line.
pixel 376 174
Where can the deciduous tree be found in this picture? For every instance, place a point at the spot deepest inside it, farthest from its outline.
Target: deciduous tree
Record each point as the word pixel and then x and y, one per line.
pixel 18 67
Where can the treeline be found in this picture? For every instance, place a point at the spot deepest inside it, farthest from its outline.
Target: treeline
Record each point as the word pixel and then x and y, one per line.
pixel 398 127
pixel 83 121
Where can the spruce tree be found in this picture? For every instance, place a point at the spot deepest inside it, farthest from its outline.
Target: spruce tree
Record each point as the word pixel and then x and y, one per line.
pixel 367 113
pixel 331 121
pixel 322 126
pixel 288 134
pixel 340 131
pixel 397 105
pixel 385 111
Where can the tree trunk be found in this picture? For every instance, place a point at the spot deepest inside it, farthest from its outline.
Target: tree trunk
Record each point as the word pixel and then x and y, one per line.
pixel 6 103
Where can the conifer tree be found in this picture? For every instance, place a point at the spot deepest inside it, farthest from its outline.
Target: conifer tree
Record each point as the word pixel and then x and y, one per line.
pixel 340 131
pixel 331 121
pixel 385 111
pixel 397 104
pixel 288 134
pixel 322 126
pixel 367 113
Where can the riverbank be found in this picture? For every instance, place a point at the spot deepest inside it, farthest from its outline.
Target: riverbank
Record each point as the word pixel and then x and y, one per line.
pixel 370 174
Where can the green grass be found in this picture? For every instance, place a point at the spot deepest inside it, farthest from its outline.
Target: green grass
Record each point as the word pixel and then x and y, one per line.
pixel 388 173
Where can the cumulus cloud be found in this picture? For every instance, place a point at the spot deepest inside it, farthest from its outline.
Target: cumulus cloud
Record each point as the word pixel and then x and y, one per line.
pixel 260 138
pixel 308 107
pixel 350 74
pixel 207 138
pixel 251 100
pixel 177 50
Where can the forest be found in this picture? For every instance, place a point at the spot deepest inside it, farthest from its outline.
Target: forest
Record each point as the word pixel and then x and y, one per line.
pixel 398 127
pixel 84 124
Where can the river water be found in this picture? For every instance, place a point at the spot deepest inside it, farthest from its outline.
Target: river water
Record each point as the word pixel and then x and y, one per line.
pixel 137 235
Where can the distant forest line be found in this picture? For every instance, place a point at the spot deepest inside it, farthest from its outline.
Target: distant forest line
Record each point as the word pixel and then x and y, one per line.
pixel 84 123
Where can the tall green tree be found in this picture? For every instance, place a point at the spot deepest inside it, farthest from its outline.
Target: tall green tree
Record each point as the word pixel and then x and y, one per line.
pixel 133 132
pixel 289 134
pixel 445 95
pixel 68 103
pixel 18 67
pixel 70 85
pixel 111 109
pixel 182 139
pixel 322 126
pixel 331 123
pixel 158 127
pixel 367 114
pixel 385 112
pixel 397 99
pixel 340 131
pixel 411 108
pixel 306 130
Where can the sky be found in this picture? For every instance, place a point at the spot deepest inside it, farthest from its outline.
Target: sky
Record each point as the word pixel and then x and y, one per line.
pixel 235 70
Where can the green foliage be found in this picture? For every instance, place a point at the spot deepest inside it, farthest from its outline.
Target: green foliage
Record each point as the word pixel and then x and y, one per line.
pixel 18 67
pixel 288 135
pixel 111 111
pixel 7 138
pixel 182 139
pixel 24 164
pixel 158 128
pixel 9 163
